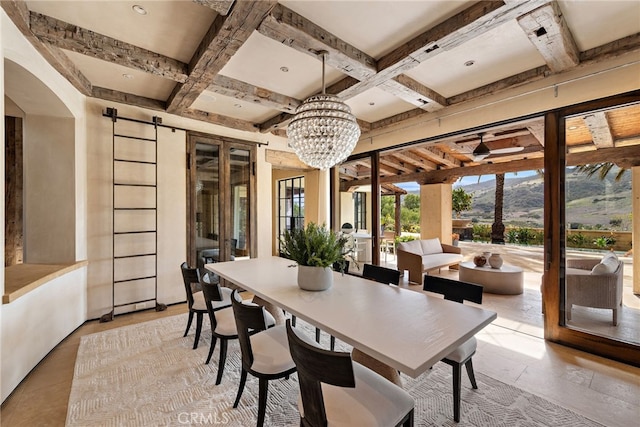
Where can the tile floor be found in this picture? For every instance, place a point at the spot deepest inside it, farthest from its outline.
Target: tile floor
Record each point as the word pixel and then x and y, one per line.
pixel 511 350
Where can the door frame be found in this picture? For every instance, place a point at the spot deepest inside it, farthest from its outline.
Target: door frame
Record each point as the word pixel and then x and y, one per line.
pixel 225 145
pixel 553 298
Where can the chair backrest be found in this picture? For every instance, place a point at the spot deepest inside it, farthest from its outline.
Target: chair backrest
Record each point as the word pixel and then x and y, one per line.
pixel 315 366
pixel 453 290
pixel 191 280
pixel 381 274
pixel 250 319
pixel 211 292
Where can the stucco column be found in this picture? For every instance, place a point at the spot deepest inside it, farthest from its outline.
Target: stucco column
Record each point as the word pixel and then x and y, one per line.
pixel 435 212
pixel 635 239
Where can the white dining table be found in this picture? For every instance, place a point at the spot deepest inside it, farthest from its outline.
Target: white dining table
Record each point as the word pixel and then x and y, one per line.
pixel 405 329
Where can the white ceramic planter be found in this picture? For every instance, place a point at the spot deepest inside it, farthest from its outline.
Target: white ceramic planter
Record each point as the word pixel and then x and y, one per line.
pixel 315 278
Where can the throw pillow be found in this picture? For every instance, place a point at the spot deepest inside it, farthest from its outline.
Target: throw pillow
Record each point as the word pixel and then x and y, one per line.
pixel 431 246
pixel 601 268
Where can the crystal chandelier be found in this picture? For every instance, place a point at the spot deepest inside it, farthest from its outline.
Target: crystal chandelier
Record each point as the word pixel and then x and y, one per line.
pixel 323 131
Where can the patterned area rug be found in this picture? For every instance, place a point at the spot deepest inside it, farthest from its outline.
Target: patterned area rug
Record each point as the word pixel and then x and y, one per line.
pixel 147 374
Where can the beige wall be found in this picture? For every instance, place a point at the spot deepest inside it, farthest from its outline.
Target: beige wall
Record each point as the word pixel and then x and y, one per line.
pixel 49 186
pixel 51 312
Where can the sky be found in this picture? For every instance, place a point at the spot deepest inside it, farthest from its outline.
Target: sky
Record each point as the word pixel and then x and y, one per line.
pixel 413 186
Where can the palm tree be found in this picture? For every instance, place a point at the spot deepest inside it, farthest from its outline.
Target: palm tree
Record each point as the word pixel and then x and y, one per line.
pixel 602 169
pixel 497 228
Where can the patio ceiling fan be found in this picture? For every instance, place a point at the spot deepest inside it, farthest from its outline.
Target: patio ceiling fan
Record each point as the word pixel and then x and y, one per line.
pixel 482 150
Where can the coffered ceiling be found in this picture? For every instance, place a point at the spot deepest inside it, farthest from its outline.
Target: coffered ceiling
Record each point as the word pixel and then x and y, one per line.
pixel 248 64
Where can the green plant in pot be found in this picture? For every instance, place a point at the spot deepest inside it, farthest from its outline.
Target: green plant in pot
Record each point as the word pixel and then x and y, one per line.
pixel 315 249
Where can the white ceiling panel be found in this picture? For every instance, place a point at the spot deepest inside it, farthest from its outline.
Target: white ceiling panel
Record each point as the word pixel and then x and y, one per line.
pixel 232 107
pixel 259 62
pixel 384 105
pixel 376 27
pixel 112 76
pixel 502 52
pixel 171 28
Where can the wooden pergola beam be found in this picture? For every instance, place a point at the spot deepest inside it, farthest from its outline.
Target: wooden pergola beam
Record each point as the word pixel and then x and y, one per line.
pixel 600 130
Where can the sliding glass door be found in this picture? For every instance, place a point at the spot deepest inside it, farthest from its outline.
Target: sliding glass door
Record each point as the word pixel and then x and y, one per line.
pixel 590 290
pixel 220 199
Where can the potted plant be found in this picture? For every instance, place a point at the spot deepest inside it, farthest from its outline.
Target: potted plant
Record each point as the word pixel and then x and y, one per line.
pixel 460 201
pixel 315 249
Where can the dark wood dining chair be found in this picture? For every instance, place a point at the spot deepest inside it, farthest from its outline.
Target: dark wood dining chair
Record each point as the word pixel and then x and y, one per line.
pixel 265 351
pixel 457 291
pixel 223 322
pixel 360 396
pixel 387 276
pixel 195 299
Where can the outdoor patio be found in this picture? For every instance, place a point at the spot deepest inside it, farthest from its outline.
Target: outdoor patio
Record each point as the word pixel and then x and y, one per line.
pixel 523 312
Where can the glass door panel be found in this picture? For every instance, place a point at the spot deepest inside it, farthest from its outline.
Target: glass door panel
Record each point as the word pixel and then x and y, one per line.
pixel 220 201
pixel 238 244
pixel 207 203
pixel 598 278
pixel 354 212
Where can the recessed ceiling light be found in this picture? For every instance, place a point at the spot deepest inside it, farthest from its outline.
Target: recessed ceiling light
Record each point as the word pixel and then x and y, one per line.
pixel 573 127
pixel 469 63
pixel 139 9
pixel 284 69
pixel 372 103
pixel 127 76
pixel 237 105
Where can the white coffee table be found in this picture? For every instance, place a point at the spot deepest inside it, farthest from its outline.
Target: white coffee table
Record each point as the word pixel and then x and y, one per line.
pixel 507 280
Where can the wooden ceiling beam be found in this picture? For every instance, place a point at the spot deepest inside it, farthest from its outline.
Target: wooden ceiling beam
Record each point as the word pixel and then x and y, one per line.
pixel 600 130
pixel 547 29
pixel 222 7
pixel 218 119
pixel 223 39
pixel 18 12
pixel 285 160
pixel 413 92
pixel 275 123
pixel 77 39
pixel 128 98
pixel 246 92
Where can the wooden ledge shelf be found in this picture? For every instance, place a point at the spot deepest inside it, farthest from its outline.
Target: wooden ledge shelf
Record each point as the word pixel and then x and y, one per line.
pixel 23 278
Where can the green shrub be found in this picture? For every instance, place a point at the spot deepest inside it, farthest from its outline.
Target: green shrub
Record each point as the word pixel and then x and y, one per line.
pixel 481 233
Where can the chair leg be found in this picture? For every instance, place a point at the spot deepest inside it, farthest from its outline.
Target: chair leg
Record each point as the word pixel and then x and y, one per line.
pixel 317 335
pixel 212 347
pixel 333 343
pixel 223 359
pixel 262 400
pixel 198 330
pixel 470 373
pixel 615 317
pixel 243 379
pixel 186 331
pixel 457 385
pixel 293 321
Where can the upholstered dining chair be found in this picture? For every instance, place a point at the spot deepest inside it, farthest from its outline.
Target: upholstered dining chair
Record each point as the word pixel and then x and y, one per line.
pixel 195 299
pixel 223 322
pixel 457 291
pixel 387 276
pixel 265 351
pixel 334 390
